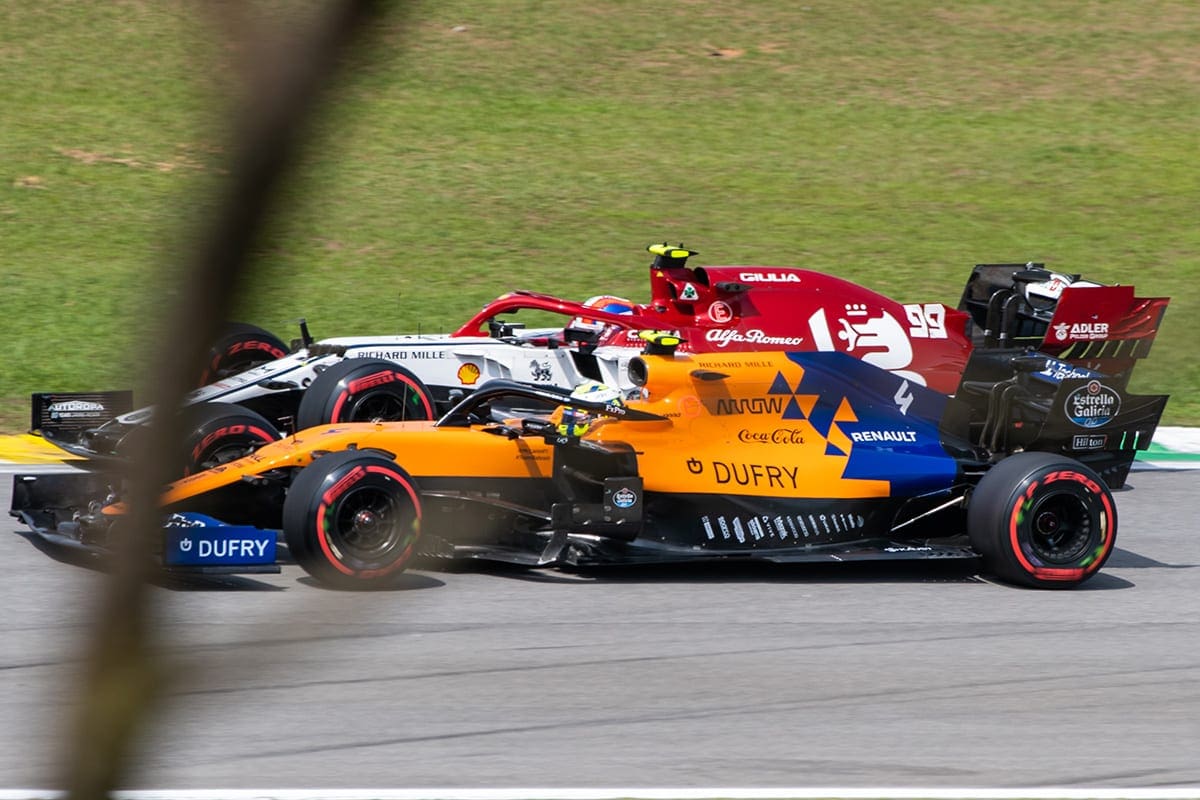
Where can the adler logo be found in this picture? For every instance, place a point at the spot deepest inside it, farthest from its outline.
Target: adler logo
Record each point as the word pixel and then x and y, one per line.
pixel 769 277
pixel 1081 330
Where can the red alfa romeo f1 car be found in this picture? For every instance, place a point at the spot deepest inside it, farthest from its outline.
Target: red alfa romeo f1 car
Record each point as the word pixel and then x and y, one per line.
pixel 714 309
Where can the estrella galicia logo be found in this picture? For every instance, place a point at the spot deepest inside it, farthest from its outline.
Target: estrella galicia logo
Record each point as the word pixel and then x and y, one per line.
pixel 624 498
pixel 1092 405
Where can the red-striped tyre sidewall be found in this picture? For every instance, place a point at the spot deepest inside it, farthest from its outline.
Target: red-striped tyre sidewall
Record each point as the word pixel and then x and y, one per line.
pixel 239 348
pixel 1029 503
pixel 352 519
pixel 359 390
pixel 215 433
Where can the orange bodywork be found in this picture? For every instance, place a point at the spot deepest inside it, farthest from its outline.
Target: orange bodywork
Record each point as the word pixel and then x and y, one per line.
pixel 720 432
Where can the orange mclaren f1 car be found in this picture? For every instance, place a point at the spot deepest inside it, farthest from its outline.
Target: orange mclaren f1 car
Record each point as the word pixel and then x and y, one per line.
pixel 777 456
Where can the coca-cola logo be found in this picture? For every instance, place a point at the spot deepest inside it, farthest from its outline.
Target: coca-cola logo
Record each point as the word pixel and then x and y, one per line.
pixel 777 436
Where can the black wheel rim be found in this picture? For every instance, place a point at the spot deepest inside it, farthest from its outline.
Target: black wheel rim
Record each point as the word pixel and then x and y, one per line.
pixel 226 450
pixel 1060 527
pixel 387 406
pixel 366 524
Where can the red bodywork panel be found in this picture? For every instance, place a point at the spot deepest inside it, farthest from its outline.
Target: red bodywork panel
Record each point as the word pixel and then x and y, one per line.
pixel 741 308
pixel 1105 328
pixel 751 308
pixel 718 309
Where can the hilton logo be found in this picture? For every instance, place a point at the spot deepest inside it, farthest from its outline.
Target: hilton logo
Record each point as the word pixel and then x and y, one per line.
pixel 1086 441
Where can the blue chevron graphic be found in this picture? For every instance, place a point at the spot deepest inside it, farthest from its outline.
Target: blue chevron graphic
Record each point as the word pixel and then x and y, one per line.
pixel 780 385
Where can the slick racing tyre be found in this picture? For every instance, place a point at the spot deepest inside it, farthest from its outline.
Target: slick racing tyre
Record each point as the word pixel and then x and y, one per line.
pixel 361 390
pixel 351 519
pixel 1042 520
pixel 216 433
pixel 240 347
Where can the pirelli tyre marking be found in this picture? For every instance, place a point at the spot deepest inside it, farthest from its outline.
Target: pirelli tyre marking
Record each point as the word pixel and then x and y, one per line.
pixel 1052 531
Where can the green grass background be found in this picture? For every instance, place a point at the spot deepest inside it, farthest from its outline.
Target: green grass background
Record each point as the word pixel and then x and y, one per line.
pixel 496 144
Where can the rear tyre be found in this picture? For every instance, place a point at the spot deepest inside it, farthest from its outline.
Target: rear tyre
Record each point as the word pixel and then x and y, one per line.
pixel 240 347
pixel 216 433
pixel 361 390
pixel 1042 520
pixel 351 519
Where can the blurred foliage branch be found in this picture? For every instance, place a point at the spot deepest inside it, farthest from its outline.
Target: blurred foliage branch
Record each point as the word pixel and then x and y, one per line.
pixel 284 79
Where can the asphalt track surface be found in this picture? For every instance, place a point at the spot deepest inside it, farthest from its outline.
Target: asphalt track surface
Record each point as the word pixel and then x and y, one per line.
pixel 888 676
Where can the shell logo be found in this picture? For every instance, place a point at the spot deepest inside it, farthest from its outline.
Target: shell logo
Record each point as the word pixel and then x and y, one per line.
pixel 468 374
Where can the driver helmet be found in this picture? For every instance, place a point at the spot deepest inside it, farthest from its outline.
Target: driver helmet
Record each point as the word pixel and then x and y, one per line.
pixel 596 392
pixel 603 302
pixel 575 421
pixel 1044 295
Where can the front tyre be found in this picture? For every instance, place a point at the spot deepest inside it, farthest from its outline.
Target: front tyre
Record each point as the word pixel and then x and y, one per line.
pixel 361 390
pixel 216 433
pixel 351 519
pixel 1042 520
pixel 240 347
